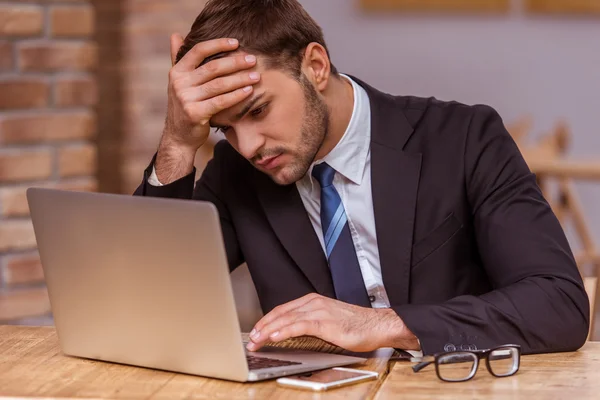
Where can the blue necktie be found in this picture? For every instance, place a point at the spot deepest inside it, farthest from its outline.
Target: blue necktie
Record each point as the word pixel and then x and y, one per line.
pixel 345 270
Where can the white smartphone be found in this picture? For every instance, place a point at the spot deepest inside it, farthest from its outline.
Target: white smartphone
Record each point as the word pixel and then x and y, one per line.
pixel 327 379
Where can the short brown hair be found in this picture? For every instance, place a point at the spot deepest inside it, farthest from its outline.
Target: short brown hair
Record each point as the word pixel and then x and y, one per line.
pixel 280 30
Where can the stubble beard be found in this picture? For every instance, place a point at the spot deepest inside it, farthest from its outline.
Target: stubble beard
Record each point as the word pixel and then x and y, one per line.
pixel 313 134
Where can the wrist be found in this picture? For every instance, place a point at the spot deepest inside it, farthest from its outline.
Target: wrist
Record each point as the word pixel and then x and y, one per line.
pixel 172 148
pixel 395 333
pixel 173 161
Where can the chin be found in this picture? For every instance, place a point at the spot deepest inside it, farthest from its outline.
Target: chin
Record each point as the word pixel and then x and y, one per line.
pixel 282 180
pixel 286 176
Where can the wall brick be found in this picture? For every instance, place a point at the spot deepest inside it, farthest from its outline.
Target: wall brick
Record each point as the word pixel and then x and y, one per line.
pixel 47 126
pixel 17 235
pixel 23 269
pixel 24 165
pixel 77 160
pixel 48 57
pixel 72 21
pixel 21 20
pixel 70 92
pixel 58 56
pixel 23 93
pixel 13 200
pixel 24 303
pixel 6 56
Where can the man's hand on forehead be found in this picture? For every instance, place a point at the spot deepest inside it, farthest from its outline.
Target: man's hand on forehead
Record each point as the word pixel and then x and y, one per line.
pixel 220 80
pixel 211 77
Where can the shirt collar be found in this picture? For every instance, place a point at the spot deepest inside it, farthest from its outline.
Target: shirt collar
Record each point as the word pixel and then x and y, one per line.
pixel 349 156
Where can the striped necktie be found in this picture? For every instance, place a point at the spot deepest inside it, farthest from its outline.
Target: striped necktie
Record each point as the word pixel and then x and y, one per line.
pixel 343 263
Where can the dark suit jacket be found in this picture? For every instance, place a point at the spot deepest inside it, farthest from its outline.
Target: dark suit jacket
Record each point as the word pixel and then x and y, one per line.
pixel 471 254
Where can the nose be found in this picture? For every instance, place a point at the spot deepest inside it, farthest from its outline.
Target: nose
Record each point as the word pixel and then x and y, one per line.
pixel 249 142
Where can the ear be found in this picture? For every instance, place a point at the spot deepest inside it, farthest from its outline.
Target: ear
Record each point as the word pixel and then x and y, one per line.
pixel 316 66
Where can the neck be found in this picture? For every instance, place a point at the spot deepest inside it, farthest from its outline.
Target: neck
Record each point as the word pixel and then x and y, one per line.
pixel 339 97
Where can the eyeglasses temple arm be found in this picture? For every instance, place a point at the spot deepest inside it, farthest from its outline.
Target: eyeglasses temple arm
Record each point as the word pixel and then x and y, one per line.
pixel 421 365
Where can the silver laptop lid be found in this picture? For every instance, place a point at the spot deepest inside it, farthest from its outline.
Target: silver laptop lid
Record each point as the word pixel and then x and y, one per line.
pixel 139 281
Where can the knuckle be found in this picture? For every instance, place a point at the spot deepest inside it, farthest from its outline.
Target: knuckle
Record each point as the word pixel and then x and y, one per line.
pixel 188 111
pixel 199 49
pixel 221 101
pixel 181 97
pixel 178 84
pixel 277 309
pixel 294 317
pixel 208 88
pixel 210 68
pixel 318 301
pixel 216 85
pixel 203 113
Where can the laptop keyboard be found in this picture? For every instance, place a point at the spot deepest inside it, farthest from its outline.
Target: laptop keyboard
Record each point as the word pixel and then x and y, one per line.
pixel 262 362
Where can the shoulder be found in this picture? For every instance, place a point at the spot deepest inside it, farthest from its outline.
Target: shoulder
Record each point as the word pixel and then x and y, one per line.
pixel 439 113
pixel 448 122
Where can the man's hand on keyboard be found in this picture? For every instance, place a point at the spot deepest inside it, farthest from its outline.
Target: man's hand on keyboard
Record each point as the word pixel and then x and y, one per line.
pixel 348 326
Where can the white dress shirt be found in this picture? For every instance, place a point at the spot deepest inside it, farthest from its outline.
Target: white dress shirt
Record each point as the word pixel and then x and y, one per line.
pixel 351 158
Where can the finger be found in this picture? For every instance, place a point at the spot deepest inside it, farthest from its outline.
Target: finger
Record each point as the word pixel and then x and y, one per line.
pixel 283 309
pixel 215 105
pixel 221 67
pixel 221 86
pixel 202 50
pixel 297 329
pixel 289 318
pixel 176 42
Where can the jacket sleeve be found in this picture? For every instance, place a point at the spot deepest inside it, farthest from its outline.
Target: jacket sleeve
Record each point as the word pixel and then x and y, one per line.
pixel 539 300
pixel 208 188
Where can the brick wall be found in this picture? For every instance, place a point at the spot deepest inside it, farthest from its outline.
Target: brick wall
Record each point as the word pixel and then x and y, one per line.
pixel 82 106
pixel 48 127
pixel 133 39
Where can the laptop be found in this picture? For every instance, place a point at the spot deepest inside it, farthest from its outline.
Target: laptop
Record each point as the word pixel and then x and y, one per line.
pixel 145 282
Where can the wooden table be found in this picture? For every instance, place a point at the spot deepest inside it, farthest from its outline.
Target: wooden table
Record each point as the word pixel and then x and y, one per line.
pixel 31 365
pixel 558 376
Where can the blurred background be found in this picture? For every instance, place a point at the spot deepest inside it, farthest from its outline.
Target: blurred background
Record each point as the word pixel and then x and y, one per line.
pixel 83 100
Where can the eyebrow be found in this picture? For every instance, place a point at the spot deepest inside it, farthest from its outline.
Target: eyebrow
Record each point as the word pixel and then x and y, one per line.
pixel 244 111
pixel 247 107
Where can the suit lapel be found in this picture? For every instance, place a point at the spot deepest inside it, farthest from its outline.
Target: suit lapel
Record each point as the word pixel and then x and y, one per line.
pixel 288 218
pixel 394 185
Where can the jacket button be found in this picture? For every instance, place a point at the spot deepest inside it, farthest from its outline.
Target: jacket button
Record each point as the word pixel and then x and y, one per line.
pixel 372 299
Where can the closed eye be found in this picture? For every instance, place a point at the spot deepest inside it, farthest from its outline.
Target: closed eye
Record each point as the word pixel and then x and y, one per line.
pixel 256 112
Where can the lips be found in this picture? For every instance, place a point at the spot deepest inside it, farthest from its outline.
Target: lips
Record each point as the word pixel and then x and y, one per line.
pixel 269 163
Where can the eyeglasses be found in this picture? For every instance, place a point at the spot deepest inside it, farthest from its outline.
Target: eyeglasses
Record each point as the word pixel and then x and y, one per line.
pixel 460 366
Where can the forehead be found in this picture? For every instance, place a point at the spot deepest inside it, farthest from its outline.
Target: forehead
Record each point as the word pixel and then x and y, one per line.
pixel 273 82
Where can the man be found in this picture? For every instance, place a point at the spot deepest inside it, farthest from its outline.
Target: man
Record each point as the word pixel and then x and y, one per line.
pixel 365 219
